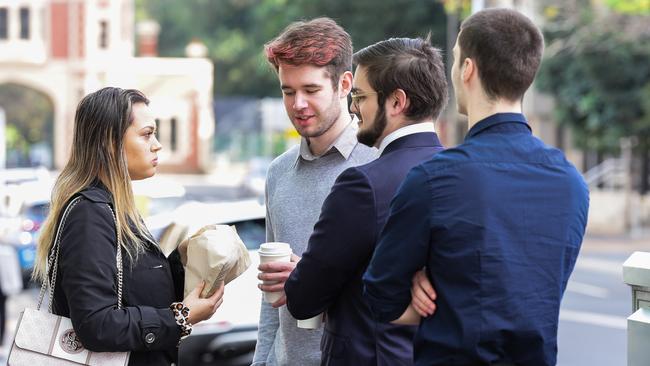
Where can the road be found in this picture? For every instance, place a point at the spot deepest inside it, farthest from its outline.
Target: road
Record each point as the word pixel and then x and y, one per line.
pixel 592 328
pixel 596 304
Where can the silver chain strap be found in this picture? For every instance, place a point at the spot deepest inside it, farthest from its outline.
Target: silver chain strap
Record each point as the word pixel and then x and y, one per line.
pixel 53 261
pixel 118 258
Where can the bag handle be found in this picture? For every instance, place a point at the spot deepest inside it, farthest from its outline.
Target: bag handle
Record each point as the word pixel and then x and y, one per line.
pixel 53 260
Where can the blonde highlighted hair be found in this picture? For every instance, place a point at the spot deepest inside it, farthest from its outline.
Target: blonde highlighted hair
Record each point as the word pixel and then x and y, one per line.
pixel 97 154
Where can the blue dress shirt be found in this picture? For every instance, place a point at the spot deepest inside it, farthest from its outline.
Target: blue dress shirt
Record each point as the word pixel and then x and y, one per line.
pixel 498 222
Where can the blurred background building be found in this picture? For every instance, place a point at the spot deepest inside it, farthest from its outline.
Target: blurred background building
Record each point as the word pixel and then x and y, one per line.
pixel 218 103
pixel 57 51
pixel 221 120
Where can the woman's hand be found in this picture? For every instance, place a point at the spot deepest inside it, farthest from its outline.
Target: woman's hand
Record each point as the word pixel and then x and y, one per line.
pixel 202 309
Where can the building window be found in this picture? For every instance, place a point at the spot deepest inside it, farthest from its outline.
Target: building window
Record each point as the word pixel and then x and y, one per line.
pixel 173 138
pixel 24 23
pixel 3 23
pixel 157 133
pixel 103 34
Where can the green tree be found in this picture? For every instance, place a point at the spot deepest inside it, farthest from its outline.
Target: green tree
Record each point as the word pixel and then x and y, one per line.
pixel 630 6
pixel 235 31
pixel 598 70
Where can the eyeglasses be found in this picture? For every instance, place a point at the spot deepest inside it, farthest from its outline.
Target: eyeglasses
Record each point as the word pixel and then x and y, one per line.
pixel 357 97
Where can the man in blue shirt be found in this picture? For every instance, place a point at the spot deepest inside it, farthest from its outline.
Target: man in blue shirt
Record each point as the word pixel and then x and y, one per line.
pixel 498 221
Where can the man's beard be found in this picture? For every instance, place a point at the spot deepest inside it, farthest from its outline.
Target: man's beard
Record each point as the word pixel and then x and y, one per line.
pixel 370 136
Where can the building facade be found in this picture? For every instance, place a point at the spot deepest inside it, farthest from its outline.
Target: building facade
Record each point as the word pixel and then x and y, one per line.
pixel 66 49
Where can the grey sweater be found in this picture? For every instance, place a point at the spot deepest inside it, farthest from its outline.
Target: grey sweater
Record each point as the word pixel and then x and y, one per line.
pixel 296 186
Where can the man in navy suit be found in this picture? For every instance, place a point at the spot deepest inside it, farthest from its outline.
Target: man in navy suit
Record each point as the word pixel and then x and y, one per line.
pixel 497 220
pixel 399 89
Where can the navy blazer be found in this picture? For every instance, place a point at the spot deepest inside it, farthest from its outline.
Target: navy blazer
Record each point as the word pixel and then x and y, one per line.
pixel 328 277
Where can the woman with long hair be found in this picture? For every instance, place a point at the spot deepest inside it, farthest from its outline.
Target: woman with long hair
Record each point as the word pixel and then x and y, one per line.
pixel 114 142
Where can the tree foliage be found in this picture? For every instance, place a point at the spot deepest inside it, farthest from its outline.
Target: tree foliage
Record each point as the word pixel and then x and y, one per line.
pixel 599 72
pixel 630 6
pixel 597 67
pixel 29 116
pixel 29 109
pixel 235 31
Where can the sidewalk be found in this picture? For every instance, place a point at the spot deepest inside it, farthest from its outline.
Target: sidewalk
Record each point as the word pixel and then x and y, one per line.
pixel 603 244
pixel 591 244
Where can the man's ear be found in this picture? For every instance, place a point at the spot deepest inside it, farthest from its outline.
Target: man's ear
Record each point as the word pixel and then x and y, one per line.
pixel 468 70
pixel 345 84
pixel 397 102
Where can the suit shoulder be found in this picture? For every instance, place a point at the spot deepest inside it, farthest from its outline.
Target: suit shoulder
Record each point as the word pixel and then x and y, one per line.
pixel 446 158
pixel 355 173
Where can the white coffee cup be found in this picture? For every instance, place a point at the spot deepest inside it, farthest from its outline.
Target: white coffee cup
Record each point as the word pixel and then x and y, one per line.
pixel 311 323
pixel 274 252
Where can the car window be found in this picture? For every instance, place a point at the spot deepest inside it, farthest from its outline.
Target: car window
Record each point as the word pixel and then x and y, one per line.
pixel 164 204
pixel 251 232
pixel 37 212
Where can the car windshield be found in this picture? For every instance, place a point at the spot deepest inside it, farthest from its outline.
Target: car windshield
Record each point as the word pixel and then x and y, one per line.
pixel 251 232
pixel 37 212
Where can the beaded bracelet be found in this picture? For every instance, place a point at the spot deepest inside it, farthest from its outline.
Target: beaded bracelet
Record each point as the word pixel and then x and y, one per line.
pixel 182 316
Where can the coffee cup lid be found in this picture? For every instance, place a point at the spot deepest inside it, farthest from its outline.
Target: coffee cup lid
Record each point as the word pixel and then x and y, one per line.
pixel 275 248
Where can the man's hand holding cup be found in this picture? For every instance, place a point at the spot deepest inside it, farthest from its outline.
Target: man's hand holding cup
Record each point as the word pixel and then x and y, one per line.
pixel 276 263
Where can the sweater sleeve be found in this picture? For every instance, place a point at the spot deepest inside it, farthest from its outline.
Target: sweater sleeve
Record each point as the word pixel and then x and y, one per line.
pixel 269 317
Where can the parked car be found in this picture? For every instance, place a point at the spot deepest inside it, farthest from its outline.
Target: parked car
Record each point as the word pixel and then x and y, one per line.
pixel 26 205
pixel 229 337
pixel 254 181
pixel 26 208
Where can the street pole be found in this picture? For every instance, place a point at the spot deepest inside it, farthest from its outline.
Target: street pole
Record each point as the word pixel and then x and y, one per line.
pixel 631 216
pixel 3 139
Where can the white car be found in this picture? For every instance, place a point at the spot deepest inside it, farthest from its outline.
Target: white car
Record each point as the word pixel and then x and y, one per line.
pixel 229 337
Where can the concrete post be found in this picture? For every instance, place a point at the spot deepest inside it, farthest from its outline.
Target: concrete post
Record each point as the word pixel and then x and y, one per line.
pixel 636 273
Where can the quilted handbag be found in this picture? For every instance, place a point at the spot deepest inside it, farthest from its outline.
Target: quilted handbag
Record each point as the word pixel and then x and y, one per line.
pixel 43 338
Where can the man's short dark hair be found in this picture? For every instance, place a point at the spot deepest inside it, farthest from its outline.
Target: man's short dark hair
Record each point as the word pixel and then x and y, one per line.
pixel 410 64
pixel 507 48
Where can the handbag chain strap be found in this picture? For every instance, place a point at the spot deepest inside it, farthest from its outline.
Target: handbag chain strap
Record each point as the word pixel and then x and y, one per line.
pixel 118 259
pixel 53 260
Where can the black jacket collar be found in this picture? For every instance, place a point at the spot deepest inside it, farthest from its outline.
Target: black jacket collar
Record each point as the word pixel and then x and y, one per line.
pixel 97 192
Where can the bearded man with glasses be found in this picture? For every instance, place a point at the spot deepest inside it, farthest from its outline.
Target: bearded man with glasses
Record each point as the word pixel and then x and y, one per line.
pixel 398 91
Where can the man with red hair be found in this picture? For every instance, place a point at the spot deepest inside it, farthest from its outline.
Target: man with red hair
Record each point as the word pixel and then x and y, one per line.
pixel 313 60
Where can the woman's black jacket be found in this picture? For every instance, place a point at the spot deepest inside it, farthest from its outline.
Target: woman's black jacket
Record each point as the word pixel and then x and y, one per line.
pixel 86 287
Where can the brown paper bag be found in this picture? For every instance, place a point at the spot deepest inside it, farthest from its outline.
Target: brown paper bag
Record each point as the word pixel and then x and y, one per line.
pixel 214 254
pixel 172 236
